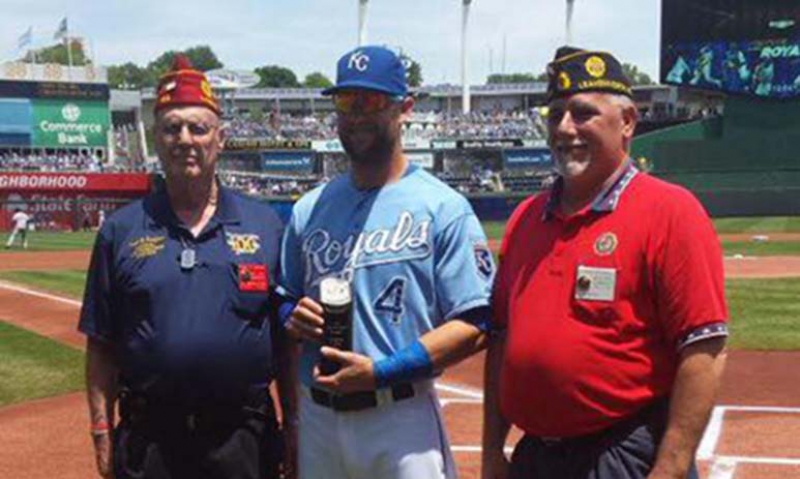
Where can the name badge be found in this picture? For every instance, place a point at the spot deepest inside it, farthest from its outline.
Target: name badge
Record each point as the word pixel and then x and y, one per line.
pixel 595 284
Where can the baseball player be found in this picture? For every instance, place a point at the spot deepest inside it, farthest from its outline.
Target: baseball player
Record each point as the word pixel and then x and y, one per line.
pixel 609 305
pixel 21 222
pixel 420 271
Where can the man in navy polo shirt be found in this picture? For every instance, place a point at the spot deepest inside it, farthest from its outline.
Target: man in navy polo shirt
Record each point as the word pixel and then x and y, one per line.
pixel 180 312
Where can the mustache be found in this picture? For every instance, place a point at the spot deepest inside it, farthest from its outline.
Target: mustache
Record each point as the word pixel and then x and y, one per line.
pixel 180 151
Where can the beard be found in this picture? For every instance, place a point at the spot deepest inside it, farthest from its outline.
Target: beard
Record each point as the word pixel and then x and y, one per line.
pixel 368 144
pixel 572 162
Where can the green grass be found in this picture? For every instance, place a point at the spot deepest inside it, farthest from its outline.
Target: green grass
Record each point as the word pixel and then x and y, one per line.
pixel 52 241
pixel 754 225
pixel 770 248
pixel 494 229
pixel 765 224
pixel 66 282
pixel 764 313
pixel 36 367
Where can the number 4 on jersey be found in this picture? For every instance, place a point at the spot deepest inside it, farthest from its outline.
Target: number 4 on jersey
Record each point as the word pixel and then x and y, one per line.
pixel 391 300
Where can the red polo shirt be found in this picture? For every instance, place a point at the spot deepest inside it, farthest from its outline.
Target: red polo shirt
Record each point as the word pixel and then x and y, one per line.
pixel 598 305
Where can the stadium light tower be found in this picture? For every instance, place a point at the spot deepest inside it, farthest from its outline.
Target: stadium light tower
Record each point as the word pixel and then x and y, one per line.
pixel 362 22
pixel 465 98
pixel 570 9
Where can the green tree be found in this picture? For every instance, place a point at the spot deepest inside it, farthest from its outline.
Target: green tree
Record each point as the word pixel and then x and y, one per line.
pixel 636 76
pixel 58 54
pixel 276 77
pixel 413 71
pixel 128 76
pixel 158 67
pixel 515 78
pixel 202 58
pixel 317 80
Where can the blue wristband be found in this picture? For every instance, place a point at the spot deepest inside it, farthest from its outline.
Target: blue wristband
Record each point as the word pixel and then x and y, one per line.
pixel 410 364
pixel 285 311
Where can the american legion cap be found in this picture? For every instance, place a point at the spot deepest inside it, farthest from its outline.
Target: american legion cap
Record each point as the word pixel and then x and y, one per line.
pixel 574 70
pixel 183 85
pixel 373 68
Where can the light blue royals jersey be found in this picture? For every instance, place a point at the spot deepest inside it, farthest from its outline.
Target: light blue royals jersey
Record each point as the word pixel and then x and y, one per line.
pixel 414 251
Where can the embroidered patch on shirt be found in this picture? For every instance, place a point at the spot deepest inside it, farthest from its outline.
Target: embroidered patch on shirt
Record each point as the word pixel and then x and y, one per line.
pixel 483 259
pixel 253 277
pixel 147 246
pixel 606 244
pixel 243 243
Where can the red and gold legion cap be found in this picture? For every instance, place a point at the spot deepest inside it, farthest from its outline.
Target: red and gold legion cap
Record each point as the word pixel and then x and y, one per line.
pixel 185 86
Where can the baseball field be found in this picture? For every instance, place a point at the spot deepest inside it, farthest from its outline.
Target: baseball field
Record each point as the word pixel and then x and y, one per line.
pixel 752 433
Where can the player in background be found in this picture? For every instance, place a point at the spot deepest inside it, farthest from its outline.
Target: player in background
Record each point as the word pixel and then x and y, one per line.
pixel 419 266
pixel 21 222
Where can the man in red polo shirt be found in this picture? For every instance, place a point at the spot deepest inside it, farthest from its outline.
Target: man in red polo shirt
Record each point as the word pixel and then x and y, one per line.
pixel 609 303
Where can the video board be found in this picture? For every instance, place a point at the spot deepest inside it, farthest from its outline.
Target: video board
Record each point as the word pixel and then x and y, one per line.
pixel 749 47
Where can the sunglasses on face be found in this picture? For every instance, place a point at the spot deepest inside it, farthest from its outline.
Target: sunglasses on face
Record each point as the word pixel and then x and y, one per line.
pixel 364 102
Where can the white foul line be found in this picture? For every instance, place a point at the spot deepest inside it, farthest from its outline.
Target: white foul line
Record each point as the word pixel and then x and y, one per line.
pixel 711 437
pixel 766 409
pixel 722 468
pixel 30 292
pixel 445 401
pixel 780 461
pixel 469 393
pixel 507 449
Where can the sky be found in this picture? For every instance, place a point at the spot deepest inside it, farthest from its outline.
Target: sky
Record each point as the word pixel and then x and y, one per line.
pixel 310 35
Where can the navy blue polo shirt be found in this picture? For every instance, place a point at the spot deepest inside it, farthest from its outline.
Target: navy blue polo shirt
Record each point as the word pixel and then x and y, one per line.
pixel 202 332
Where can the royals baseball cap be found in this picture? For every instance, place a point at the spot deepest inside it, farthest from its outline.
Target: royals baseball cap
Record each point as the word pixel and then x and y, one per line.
pixel 372 68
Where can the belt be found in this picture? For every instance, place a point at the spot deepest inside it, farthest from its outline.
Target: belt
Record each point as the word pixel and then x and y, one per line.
pixel 654 414
pixel 138 408
pixel 361 400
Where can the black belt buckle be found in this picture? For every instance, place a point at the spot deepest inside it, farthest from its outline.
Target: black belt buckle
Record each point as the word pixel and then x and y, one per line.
pixel 358 401
pixel 191 422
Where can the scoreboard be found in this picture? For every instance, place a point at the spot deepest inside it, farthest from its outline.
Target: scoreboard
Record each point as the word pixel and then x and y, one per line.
pixel 747 47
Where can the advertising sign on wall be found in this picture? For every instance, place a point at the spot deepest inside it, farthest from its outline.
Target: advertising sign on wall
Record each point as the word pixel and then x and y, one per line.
pixel 54 90
pixel 266 144
pixel 288 161
pixel 68 124
pixel 76 182
pixel 528 158
pixel 16 118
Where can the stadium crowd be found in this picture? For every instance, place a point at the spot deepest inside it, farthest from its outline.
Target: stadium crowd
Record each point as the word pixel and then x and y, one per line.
pixel 283 127
pixel 50 162
pixel 255 184
pixel 423 125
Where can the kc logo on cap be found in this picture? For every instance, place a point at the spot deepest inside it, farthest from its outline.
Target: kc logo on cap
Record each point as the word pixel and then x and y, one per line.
pixel 359 61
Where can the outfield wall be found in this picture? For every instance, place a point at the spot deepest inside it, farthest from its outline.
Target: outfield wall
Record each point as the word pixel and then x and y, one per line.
pixel 65 201
pixel 746 163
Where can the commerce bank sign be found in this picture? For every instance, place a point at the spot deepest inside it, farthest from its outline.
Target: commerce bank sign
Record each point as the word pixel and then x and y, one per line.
pixel 71 124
